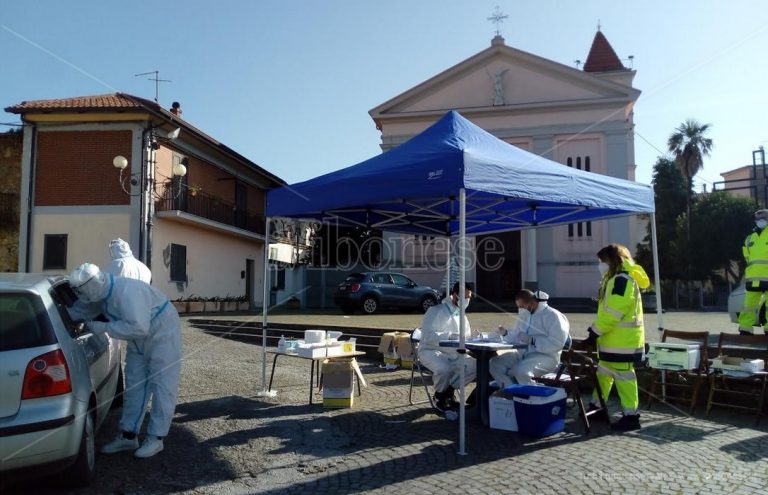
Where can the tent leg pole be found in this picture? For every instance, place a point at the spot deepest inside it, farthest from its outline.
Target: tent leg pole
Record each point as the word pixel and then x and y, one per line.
pixel 655 248
pixel 264 313
pixel 448 269
pixel 462 349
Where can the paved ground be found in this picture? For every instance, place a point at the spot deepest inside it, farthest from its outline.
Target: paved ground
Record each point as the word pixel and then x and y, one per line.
pixel 227 439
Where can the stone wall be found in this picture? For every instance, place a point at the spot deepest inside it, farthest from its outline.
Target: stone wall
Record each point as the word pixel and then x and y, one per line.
pixel 10 182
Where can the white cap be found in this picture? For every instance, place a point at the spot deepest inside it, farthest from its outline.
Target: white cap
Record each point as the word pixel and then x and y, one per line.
pixel 540 295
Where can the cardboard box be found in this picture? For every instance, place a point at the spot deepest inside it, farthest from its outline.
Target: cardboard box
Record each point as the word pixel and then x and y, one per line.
pixel 502 412
pixel 674 356
pixel 338 383
pixel 395 346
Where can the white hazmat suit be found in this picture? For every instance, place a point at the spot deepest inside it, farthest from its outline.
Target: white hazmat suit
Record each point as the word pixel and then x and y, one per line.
pixel 124 264
pixel 545 331
pixel 144 317
pixel 441 322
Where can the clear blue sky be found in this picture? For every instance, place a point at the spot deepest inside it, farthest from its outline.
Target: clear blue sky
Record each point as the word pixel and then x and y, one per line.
pixel 289 83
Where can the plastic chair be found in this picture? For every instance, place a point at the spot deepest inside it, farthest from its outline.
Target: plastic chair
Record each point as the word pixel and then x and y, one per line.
pixel 576 367
pixel 683 380
pixel 424 372
pixel 752 387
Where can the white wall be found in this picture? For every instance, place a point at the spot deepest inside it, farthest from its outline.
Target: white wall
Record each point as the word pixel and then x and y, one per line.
pixel 214 261
pixel 89 230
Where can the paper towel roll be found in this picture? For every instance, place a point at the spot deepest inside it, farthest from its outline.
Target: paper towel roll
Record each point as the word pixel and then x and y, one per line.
pixel 314 336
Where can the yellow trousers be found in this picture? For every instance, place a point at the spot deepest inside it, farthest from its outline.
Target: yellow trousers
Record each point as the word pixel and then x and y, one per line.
pixel 748 316
pixel 623 374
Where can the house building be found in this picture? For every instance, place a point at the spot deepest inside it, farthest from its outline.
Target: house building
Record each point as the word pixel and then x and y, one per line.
pixel 581 118
pixel 191 208
pixel 10 183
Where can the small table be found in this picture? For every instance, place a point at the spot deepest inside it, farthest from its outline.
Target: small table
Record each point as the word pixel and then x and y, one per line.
pixel 314 363
pixel 483 352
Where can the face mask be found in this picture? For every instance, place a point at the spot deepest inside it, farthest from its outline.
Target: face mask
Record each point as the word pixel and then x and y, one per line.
pixel 603 267
pixel 523 312
pixel 465 302
pixel 761 224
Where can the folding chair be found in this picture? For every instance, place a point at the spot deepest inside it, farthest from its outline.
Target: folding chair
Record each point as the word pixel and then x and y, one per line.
pixel 682 380
pixel 424 372
pixel 574 368
pixel 752 387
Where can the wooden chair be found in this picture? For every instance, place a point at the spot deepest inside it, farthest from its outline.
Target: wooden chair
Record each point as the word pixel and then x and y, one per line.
pixel 682 380
pixel 751 389
pixel 577 367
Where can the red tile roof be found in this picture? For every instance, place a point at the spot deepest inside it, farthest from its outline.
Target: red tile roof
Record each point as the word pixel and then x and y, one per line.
pixel 601 56
pixel 114 101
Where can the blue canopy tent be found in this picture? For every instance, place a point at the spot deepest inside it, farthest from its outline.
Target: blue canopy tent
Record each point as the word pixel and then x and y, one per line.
pixel 457 179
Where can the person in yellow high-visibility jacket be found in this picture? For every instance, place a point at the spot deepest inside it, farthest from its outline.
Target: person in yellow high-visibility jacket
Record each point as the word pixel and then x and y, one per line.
pixel 618 330
pixel 755 251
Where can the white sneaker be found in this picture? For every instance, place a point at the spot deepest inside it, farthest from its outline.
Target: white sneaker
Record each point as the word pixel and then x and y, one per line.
pixel 119 444
pixel 151 446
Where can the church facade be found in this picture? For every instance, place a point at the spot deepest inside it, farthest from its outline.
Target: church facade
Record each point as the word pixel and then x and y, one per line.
pixel 582 118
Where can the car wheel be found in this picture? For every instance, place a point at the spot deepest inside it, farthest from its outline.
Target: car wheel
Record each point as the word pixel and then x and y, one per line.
pixel 347 310
pixel 370 305
pixel 427 303
pixel 82 472
pixel 117 400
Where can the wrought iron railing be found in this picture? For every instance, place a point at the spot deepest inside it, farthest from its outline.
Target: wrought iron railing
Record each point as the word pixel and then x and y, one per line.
pixel 179 197
pixel 9 209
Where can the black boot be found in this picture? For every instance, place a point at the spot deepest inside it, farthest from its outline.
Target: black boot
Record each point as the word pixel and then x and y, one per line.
pixel 452 404
pixel 628 422
pixel 441 400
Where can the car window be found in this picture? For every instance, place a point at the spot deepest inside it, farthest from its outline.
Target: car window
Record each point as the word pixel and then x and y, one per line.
pixel 23 322
pixel 355 278
pixel 401 279
pixel 64 297
pixel 381 278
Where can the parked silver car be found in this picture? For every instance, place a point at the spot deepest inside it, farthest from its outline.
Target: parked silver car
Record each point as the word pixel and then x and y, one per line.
pixel 57 382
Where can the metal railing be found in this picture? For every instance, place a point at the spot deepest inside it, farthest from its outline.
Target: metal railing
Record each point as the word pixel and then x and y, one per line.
pixel 190 200
pixel 9 209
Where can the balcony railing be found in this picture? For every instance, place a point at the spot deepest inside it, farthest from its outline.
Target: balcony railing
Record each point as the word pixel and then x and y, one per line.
pixel 9 209
pixel 207 206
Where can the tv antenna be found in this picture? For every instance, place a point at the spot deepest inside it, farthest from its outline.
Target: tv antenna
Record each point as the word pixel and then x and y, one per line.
pixel 156 79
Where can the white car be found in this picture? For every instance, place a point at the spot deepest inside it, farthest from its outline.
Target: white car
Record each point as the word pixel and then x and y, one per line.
pixel 58 382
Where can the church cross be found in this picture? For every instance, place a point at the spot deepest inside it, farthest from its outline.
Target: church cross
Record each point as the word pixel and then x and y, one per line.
pixel 497 17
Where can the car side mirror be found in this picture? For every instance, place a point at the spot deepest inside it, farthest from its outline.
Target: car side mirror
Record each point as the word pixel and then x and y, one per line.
pixel 411 284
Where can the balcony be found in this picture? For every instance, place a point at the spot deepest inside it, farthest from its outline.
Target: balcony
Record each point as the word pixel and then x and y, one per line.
pixel 9 210
pixel 209 207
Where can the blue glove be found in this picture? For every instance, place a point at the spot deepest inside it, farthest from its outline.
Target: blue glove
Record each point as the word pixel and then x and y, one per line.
pixel 97 327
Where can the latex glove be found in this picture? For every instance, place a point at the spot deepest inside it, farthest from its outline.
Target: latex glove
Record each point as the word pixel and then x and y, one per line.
pixel 97 327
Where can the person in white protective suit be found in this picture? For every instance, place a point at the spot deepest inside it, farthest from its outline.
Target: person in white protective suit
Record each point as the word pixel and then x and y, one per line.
pixel 124 264
pixel 441 322
pixel 143 316
pixel 543 329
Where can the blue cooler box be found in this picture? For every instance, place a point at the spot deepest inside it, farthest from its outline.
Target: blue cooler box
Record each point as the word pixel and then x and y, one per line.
pixel 539 410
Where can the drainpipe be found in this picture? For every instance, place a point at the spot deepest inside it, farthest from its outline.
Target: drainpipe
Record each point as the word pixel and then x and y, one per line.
pixel 142 237
pixel 30 197
pixel 149 194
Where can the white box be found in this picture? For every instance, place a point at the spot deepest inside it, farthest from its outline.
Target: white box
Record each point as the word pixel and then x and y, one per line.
pixel 502 413
pixel 316 351
pixel 674 356
pixel 753 365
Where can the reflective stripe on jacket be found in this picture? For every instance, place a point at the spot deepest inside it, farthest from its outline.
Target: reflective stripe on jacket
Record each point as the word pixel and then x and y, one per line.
pixel 755 251
pixel 619 323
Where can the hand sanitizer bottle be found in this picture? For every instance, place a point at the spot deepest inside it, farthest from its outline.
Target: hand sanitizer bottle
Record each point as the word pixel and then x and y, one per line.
pixel 281 344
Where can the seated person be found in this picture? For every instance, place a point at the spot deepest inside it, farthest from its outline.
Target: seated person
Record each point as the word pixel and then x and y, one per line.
pixel 441 322
pixel 544 330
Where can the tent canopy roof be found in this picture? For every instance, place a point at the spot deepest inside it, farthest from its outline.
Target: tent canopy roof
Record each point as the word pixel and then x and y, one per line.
pixel 414 188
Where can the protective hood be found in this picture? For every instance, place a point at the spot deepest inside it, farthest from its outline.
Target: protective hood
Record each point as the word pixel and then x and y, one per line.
pixel 118 248
pixel 637 273
pixel 89 283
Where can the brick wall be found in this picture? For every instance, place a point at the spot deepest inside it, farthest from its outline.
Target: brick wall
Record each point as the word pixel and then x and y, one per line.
pixel 75 168
pixel 10 182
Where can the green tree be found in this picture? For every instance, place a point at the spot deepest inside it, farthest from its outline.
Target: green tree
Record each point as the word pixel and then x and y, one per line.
pixel 669 187
pixel 724 222
pixel 689 147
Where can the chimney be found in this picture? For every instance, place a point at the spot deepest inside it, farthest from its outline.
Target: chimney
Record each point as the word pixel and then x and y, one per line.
pixel 176 108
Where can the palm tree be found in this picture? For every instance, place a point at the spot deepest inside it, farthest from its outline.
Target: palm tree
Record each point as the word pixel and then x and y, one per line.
pixel 689 147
